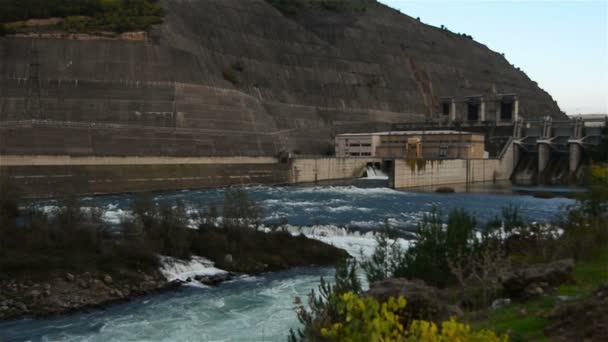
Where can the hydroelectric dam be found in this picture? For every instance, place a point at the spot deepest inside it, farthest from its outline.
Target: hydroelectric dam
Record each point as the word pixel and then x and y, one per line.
pixel 543 142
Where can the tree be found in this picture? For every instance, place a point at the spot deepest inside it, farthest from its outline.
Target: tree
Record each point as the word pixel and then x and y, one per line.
pixel 322 307
pixel 239 210
pixel 386 257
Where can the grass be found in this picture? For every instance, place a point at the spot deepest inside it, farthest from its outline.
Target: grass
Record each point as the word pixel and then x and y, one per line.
pixel 519 326
pixel 587 276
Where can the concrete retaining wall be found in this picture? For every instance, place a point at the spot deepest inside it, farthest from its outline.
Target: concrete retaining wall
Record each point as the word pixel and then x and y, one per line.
pixel 48 176
pixel 309 170
pixel 422 173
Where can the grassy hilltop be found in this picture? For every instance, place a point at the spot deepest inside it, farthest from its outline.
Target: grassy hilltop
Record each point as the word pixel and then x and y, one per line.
pixel 82 15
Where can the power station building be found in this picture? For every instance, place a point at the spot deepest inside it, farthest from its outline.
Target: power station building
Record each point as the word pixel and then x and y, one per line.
pixel 501 109
pixel 445 144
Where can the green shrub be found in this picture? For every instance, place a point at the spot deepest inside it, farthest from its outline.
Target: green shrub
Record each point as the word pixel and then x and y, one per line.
pixel 33 242
pixel 288 7
pixel 230 76
pixel 293 7
pixel 110 15
pixel 167 230
pixel 586 225
pixel 351 317
pixel 434 249
pixel 321 309
pixel 68 239
pixel 238 66
pixel 387 257
pixel 9 207
pixel 600 153
pixel 240 210
pixel 75 24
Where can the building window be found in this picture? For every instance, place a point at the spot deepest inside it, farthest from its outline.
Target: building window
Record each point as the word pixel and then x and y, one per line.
pixel 506 111
pixel 473 112
pixel 445 108
pixel 443 151
pixel 355 154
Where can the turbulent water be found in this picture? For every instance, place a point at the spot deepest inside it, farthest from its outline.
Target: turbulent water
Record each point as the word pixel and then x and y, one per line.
pixel 261 308
pixel 346 206
pixel 253 309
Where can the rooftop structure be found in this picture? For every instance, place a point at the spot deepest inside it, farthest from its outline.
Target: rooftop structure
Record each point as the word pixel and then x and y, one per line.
pixel 443 144
pixel 500 109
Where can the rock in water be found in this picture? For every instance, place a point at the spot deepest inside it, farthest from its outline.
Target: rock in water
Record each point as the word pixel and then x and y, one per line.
pixel 214 280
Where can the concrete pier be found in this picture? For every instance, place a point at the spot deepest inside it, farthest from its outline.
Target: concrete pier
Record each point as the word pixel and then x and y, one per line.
pixel 575 154
pixel 544 155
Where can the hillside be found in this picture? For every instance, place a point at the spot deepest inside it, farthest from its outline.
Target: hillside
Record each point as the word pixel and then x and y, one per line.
pixel 241 77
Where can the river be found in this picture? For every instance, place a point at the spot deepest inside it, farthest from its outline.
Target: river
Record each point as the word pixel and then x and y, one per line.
pixel 261 308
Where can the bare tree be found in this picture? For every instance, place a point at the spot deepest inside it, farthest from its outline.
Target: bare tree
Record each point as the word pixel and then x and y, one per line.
pixel 479 273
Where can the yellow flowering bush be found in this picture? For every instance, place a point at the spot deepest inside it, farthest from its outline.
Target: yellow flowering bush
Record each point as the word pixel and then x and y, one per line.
pixel 451 331
pixel 600 172
pixel 365 319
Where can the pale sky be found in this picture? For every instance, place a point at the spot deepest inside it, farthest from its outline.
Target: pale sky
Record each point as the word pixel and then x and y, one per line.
pixel 562 45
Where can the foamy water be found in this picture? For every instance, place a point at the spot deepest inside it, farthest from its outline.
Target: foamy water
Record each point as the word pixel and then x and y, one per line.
pixel 344 206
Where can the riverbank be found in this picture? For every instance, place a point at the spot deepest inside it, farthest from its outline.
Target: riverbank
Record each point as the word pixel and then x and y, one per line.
pixel 40 295
pixel 61 293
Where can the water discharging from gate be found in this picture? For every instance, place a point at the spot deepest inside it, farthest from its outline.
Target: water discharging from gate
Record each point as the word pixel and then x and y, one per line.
pixel 374 173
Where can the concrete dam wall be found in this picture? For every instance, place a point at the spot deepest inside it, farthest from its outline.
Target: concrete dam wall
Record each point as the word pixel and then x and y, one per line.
pixel 53 176
pixel 433 173
pixel 312 170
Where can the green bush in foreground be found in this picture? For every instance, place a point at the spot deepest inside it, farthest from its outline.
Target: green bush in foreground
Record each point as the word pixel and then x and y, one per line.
pixel 365 319
pixel 429 259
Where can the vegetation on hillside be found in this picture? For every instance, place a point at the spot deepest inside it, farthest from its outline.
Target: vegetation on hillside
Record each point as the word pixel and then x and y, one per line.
pixel 34 243
pixel 293 7
pixel 84 15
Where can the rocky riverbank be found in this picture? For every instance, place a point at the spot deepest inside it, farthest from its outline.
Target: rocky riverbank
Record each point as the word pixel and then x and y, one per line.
pixel 61 293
